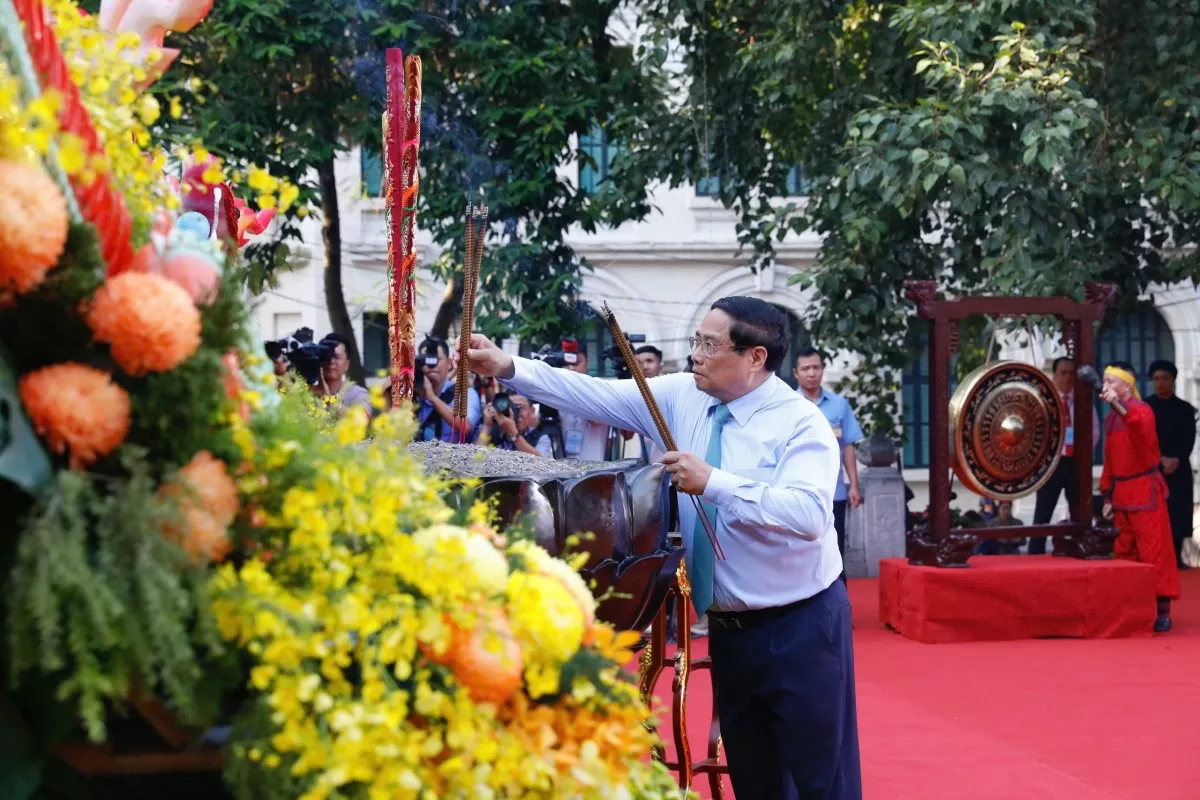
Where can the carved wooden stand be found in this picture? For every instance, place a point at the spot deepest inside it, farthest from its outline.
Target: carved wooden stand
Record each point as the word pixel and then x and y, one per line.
pixel 939 545
pixel 653 661
pixel 180 751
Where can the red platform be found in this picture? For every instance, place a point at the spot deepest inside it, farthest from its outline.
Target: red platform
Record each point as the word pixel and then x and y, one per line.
pixel 1004 598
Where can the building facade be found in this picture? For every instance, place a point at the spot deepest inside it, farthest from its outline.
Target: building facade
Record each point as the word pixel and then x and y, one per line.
pixel 660 276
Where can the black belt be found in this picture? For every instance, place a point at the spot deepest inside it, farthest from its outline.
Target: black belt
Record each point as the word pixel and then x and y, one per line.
pixel 1120 478
pixel 745 620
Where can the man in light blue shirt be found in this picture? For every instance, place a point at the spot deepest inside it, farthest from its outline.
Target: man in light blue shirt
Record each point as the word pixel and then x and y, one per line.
pixel 809 372
pixel 765 462
pixel 436 414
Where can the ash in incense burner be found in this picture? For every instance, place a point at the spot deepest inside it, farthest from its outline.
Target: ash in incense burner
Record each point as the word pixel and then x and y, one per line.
pixel 624 505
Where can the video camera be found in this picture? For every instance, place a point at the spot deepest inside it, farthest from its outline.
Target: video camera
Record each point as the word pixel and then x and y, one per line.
pixel 301 353
pixel 566 355
pixel 613 354
pixel 308 359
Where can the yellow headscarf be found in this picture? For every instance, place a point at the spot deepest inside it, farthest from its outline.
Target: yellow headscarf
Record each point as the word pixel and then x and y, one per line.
pixel 1123 375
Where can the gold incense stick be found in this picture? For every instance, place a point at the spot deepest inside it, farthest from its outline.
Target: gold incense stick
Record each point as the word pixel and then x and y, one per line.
pixel 660 421
pixel 475 235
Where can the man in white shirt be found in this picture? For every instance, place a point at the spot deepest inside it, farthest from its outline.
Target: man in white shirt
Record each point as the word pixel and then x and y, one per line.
pixel 583 438
pixel 1063 479
pixel 650 359
pixel 765 462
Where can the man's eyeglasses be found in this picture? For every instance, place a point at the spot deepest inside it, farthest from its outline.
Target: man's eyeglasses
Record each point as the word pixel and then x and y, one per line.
pixel 707 347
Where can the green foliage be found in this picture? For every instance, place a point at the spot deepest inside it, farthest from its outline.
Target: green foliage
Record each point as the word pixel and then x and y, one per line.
pixel 46 324
pixel 1001 147
pixel 507 93
pixel 98 601
pixel 101 599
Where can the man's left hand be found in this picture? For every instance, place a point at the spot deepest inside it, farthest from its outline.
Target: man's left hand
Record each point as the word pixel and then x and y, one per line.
pixel 854 496
pixel 427 390
pixel 689 473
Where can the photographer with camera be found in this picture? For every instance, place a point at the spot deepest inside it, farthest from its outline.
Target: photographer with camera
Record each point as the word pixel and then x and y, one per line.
pixel 334 372
pixel 431 384
pixel 574 437
pixel 300 355
pixel 511 423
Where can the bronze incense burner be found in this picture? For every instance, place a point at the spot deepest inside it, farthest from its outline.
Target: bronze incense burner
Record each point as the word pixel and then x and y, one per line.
pixel 617 512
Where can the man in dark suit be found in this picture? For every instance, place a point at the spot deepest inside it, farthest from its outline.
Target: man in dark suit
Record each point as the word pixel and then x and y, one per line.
pixel 1062 481
pixel 1175 421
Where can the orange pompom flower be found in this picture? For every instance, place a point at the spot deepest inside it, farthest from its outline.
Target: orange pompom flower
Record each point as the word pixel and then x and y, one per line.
pixel 487 659
pixel 208 501
pixel 78 409
pixel 150 322
pixel 33 226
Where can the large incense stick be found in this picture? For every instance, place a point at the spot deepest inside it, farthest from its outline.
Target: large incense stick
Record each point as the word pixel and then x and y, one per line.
pixel 401 180
pixel 660 421
pixel 473 240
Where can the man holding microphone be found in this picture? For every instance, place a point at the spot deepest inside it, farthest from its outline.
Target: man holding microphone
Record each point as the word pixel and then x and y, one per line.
pixel 765 462
pixel 1135 493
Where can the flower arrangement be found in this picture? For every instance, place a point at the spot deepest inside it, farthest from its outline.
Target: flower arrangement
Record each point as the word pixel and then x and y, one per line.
pixel 403 647
pixel 168 533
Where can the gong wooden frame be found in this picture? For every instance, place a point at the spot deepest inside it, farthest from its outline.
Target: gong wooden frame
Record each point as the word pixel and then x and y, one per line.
pixel 1079 320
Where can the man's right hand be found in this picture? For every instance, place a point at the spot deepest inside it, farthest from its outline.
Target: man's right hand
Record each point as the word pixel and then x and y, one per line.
pixel 489 360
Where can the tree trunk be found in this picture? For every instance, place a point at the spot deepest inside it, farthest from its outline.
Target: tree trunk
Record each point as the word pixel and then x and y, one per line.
pixel 449 310
pixel 335 298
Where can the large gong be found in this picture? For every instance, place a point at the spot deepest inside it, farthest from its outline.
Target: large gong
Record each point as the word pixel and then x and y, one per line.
pixel 1006 430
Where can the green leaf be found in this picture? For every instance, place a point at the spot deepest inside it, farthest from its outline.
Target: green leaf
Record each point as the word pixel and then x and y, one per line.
pixel 958 175
pixel 1047 159
pixel 919 156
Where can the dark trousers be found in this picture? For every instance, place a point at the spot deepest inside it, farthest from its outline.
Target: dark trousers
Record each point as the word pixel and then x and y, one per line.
pixel 839 524
pixel 1179 506
pixel 1062 480
pixel 785 695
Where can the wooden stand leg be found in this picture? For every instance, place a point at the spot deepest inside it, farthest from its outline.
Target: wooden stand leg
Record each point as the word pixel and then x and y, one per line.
pixel 652 666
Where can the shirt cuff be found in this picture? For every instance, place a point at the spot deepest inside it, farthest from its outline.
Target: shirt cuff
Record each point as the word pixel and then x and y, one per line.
pixel 721 488
pixel 520 373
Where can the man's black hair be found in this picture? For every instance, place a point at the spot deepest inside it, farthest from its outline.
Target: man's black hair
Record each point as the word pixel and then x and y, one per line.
pixel 1163 365
pixel 1059 360
pixel 334 339
pixel 433 341
pixel 757 323
pixel 808 351
pixel 649 348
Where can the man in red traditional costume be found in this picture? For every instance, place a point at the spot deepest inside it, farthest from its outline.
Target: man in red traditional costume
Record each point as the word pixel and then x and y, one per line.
pixel 1135 492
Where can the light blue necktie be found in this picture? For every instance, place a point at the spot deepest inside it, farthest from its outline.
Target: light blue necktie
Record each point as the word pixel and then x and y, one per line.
pixel 700 556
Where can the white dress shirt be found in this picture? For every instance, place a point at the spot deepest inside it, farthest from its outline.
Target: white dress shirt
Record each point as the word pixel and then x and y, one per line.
pixel 773 492
pixel 1069 399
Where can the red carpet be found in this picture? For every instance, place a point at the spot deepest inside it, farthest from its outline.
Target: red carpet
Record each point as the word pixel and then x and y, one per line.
pixel 1066 719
